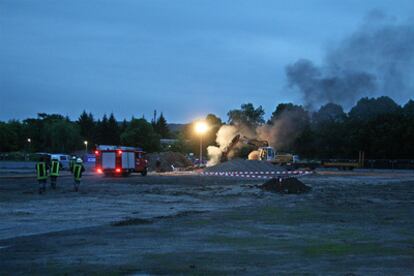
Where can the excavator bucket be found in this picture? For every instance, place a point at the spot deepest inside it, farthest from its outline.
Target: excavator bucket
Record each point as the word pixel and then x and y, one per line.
pixel 226 151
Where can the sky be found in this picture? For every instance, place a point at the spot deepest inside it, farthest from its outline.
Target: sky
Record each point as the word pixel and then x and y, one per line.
pixel 185 58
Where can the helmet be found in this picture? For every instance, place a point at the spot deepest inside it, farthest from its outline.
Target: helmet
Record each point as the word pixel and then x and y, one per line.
pixel 74 158
pixel 78 160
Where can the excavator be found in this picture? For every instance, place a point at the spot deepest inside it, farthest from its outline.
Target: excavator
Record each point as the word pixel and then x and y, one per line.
pixel 265 152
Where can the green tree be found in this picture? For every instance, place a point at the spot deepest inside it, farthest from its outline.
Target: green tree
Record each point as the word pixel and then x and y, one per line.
pixel 408 109
pixel 329 113
pixel 287 122
pixel 190 140
pixel 123 126
pixel 369 108
pixel 64 136
pixel 8 138
pixel 112 131
pixel 102 131
pixel 161 127
pixel 140 133
pixel 214 123
pixel 87 127
pixel 247 115
pixel 20 141
pixel 329 134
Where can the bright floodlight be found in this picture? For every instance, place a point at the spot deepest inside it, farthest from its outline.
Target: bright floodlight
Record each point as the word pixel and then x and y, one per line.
pixel 201 127
pixel 85 142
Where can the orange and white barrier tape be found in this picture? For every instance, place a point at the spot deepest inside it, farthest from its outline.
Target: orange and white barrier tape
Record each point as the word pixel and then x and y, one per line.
pixel 258 174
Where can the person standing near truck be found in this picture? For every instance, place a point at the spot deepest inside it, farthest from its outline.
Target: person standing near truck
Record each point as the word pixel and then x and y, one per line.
pixel 41 172
pixel 72 163
pixel 54 172
pixel 78 169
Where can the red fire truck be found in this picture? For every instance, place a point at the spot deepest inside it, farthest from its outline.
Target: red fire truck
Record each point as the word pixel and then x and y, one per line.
pixel 118 160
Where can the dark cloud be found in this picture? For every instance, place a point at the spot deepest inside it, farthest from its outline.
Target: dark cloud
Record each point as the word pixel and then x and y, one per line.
pixel 377 59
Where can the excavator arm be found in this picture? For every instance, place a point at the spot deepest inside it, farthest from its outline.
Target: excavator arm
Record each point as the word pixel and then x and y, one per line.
pixel 238 138
pixel 227 150
pixel 255 142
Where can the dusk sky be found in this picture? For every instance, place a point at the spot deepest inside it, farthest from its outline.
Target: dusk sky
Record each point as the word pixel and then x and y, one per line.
pixel 183 58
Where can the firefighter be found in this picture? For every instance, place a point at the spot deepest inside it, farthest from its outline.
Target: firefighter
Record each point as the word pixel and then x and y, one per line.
pixel 78 169
pixel 54 172
pixel 71 163
pixel 41 172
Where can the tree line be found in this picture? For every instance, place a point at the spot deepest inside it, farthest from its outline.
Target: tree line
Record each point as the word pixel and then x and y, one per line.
pixel 378 126
pixel 56 133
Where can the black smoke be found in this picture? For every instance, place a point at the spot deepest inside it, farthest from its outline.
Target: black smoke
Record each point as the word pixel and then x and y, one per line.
pixel 376 60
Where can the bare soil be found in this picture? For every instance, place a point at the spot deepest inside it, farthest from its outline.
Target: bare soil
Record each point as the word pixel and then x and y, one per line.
pixel 351 222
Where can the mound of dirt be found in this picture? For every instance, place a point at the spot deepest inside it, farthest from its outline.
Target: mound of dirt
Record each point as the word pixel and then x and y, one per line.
pixel 244 165
pixel 169 160
pixel 285 186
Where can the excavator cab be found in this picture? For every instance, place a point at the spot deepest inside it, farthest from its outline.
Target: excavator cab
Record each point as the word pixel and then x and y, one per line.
pixel 266 154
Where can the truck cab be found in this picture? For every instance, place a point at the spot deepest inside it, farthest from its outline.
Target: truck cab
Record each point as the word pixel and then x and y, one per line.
pixel 267 154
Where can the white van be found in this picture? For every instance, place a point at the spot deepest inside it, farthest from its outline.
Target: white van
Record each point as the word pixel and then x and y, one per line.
pixel 63 159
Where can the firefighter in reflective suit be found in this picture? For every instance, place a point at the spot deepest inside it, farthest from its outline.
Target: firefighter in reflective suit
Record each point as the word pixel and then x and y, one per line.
pixel 41 172
pixel 54 172
pixel 78 169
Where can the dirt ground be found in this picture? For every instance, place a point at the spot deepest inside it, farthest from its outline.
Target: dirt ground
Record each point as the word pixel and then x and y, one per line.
pixel 351 222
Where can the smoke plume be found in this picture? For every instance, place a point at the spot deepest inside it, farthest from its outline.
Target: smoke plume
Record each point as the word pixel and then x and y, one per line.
pixel 377 59
pixel 224 136
pixel 284 129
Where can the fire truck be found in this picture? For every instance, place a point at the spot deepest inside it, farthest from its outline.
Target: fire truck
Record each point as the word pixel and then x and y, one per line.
pixel 119 160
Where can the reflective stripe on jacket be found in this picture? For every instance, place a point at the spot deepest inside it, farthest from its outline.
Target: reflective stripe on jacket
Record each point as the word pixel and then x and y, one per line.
pixel 54 168
pixel 41 170
pixel 77 171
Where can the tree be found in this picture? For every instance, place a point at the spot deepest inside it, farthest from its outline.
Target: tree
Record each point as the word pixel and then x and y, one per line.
pixel 8 138
pixel 140 133
pixel 286 124
pixel 247 115
pixel 161 127
pixel 369 108
pixel 123 126
pixel 329 113
pixel 87 127
pixel 408 109
pixel 64 136
pixel 287 108
pixel 112 131
pixel 102 131
pixel 190 140
pixel 214 124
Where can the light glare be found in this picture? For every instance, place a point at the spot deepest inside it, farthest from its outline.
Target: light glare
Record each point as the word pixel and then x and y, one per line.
pixel 201 127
